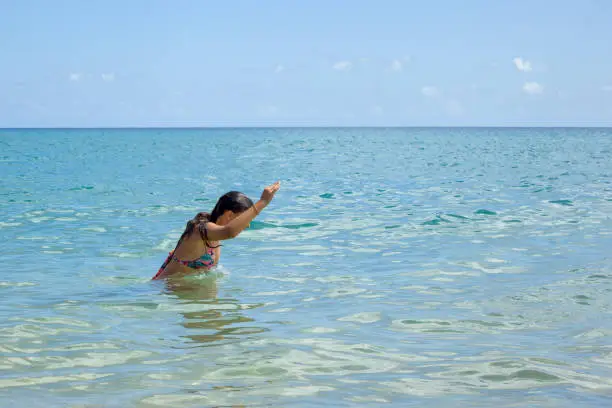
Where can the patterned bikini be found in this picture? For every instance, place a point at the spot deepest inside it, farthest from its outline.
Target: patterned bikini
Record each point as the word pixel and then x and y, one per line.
pixel 206 261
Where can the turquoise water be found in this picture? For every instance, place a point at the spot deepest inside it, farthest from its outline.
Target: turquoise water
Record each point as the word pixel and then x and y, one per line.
pixel 448 267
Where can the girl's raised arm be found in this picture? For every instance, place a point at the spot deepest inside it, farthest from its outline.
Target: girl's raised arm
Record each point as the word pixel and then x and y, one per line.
pixel 233 228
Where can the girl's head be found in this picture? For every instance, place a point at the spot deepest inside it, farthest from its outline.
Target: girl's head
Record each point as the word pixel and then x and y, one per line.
pixel 229 206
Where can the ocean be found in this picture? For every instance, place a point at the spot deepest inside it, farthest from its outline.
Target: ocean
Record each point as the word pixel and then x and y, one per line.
pixel 396 267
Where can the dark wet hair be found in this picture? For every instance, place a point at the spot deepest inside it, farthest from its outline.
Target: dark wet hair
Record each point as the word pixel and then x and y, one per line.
pixel 233 201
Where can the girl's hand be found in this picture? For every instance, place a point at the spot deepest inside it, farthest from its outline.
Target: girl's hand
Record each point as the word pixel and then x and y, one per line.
pixel 237 225
pixel 268 193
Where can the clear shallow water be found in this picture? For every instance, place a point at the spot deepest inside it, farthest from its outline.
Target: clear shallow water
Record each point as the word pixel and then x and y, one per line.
pixel 401 266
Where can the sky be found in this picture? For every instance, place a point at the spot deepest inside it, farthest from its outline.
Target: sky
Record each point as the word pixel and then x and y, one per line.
pixel 150 63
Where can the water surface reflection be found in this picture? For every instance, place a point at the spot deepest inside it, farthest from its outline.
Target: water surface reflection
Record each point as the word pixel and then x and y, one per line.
pixel 209 318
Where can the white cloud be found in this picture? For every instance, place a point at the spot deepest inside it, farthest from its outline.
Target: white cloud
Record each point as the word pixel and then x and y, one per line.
pixel 342 65
pixel 279 68
pixel 521 64
pixel 110 77
pixel 606 88
pixel 396 65
pixel 430 91
pixel 75 76
pixel 533 88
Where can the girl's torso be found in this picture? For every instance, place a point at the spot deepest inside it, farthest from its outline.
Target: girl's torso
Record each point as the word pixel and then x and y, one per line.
pixel 192 255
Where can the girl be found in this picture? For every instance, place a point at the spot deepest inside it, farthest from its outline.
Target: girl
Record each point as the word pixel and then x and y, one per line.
pixel 198 249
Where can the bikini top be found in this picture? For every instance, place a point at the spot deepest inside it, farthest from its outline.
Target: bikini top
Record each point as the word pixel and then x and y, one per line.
pixel 206 261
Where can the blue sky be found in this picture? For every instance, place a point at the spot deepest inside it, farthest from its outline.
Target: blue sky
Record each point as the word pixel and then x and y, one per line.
pixel 319 63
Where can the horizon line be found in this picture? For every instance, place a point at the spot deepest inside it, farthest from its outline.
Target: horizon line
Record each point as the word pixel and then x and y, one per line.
pixel 307 127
